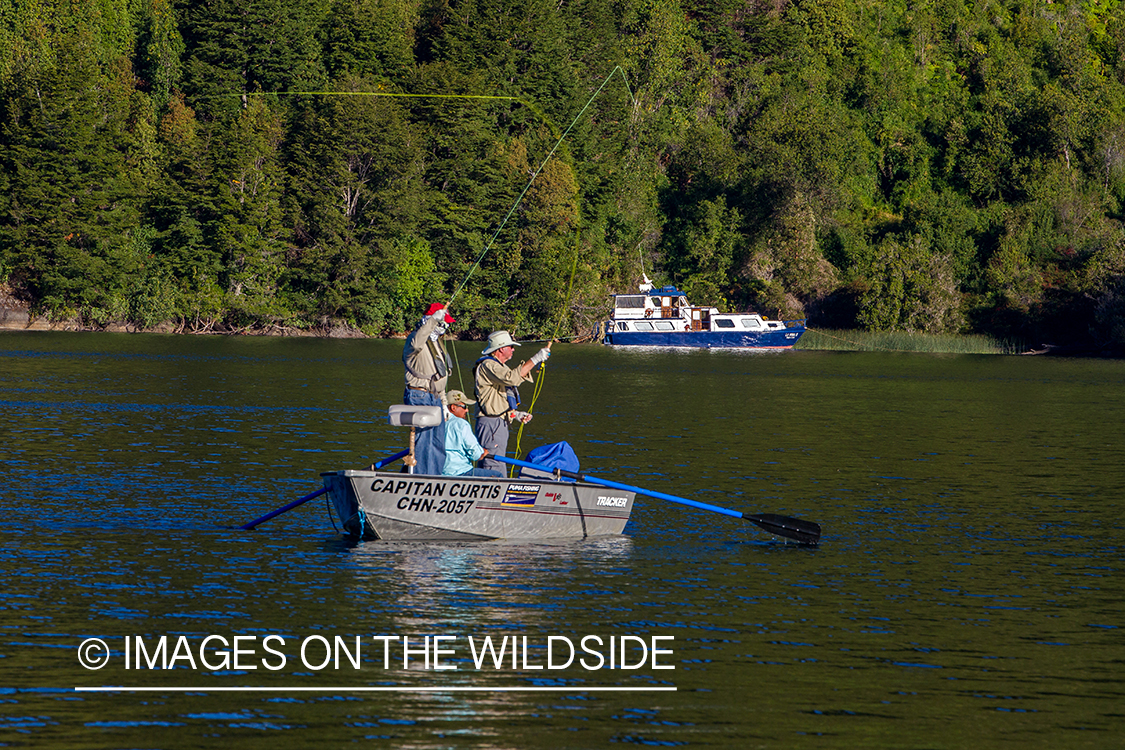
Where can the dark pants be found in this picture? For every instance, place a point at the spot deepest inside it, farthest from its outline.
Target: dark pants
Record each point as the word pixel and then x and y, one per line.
pixel 429 442
pixel 492 434
pixel 482 473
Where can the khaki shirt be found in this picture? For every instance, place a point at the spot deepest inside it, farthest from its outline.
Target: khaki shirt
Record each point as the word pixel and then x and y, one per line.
pixel 427 362
pixel 489 382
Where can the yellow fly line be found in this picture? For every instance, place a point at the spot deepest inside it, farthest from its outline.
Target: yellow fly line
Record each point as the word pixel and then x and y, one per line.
pixel 390 94
pixel 547 158
pixel 492 240
pixel 554 337
pixel 578 238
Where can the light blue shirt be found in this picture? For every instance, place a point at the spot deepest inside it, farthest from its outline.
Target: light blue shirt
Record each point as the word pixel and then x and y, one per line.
pixel 461 447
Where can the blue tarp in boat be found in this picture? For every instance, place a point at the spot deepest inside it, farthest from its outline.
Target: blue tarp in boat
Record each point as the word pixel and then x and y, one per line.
pixel 553 456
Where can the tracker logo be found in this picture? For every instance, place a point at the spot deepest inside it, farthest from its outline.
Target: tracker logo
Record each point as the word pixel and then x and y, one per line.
pixel 613 502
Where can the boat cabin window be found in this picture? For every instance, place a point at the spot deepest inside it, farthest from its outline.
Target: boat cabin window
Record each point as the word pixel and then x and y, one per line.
pixel 629 300
pixel 663 325
pixel 622 326
pixel 751 323
pixel 724 323
pixel 655 301
pixel 641 325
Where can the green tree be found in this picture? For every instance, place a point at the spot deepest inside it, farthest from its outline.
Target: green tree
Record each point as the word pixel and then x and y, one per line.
pixel 161 49
pixel 356 165
pixel 248 231
pixel 72 195
pixel 703 248
pixel 548 226
pixel 910 290
pixel 373 39
pixel 241 47
pixel 182 208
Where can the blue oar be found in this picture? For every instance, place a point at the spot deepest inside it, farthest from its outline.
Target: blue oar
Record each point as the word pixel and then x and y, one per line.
pixel 311 495
pixel 805 532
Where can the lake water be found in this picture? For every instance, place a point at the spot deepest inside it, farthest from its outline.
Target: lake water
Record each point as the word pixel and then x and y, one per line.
pixel 967 591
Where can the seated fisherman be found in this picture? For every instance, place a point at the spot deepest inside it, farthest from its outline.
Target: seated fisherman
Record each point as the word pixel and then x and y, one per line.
pixel 461 447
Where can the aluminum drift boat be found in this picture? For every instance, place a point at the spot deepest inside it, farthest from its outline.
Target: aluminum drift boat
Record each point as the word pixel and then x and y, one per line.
pixel 406 506
pixel 663 317
pixel 386 505
pixel 538 504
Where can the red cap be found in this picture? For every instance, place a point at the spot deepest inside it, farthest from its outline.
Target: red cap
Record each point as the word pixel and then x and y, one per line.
pixel 438 306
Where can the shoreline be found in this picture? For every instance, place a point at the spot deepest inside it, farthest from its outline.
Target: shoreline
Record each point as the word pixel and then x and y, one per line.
pixel 20 319
pixel 14 318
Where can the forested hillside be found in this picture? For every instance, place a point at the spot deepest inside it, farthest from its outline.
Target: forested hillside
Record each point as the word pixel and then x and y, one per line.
pixel 231 165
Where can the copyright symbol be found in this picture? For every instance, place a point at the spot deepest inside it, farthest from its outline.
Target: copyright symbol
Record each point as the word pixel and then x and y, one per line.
pixel 93 653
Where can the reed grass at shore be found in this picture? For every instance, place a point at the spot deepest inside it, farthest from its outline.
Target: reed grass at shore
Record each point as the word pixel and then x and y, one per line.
pixel 899 341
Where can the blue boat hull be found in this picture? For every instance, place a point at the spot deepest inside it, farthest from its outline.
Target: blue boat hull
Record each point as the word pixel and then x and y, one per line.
pixel 775 339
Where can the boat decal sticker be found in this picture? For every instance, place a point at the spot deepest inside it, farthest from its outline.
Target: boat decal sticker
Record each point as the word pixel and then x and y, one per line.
pixel 556 497
pixel 521 494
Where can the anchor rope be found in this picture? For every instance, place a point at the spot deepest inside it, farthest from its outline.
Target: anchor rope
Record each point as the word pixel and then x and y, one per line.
pixel 362 516
pixel 328 508
pixel 846 341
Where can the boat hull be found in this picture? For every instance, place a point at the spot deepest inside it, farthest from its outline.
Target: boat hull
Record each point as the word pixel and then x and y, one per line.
pixel 396 506
pixel 781 338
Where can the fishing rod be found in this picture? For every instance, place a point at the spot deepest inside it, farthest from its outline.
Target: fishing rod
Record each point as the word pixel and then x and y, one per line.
pixel 538 388
pixel 553 339
pixel 530 105
pixel 547 158
pixel 512 210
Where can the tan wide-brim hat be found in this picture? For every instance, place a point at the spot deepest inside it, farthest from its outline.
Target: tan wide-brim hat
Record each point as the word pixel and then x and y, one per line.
pixel 498 340
pixel 457 397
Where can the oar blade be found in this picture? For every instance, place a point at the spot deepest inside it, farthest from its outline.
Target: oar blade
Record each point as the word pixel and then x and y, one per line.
pixel 805 532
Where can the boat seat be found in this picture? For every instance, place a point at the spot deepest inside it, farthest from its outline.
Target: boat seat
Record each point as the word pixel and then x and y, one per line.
pixel 403 415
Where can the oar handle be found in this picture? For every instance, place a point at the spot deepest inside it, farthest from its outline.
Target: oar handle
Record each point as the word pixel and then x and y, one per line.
pixel 390 459
pixel 284 509
pixel 301 501
pixel 620 486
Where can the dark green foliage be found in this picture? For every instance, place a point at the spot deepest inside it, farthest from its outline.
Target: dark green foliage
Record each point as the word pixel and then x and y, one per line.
pixel 254 164
pixel 159 51
pixel 373 38
pixel 240 47
pixel 71 196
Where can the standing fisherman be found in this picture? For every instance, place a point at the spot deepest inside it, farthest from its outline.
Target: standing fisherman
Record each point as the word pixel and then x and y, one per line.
pixel 495 385
pixel 427 366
